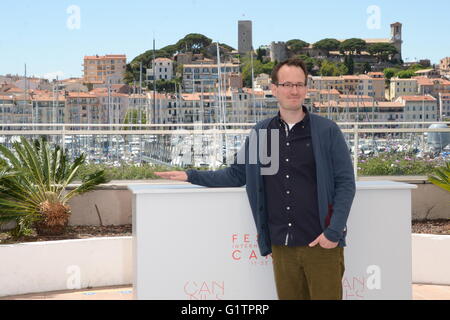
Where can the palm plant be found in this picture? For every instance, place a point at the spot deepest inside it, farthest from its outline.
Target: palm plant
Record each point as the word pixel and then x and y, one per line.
pixel 441 177
pixel 33 182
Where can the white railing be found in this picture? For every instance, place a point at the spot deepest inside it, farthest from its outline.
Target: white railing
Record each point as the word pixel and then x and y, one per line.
pixel 353 130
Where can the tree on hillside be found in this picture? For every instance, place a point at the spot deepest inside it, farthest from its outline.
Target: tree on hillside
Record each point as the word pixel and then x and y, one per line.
pixel 390 72
pixel 383 51
pixel 416 67
pixel 296 45
pixel 193 42
pixel 327 44
pixel 406 74
pixel 133 68
pixel 260 53
pixel 367 68
pixel 258 68
pixel 331 69
pixel 310 62
pixel 131 74
pixel 349 64
pixel 402 73
pixel 226 47
pixel 210 51
pixel 352 46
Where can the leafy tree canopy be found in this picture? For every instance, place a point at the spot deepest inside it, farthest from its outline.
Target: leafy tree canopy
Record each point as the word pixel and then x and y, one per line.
pixel 258 68
pixel 331 69
pixel 402 73
pixel 382 50
pixel 310 62
pixel 296 45
pixel 192 42
pixel 352 45
pixel 328 44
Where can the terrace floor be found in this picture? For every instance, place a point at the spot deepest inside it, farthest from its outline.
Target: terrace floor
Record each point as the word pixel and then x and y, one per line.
pixel 420 292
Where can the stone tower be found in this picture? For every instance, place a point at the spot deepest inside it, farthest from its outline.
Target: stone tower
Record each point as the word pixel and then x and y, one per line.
pixel 244 36
pixel 278 51
pixel 396 38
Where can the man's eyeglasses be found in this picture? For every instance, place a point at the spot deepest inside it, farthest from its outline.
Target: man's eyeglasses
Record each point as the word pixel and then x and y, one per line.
pixel 289 85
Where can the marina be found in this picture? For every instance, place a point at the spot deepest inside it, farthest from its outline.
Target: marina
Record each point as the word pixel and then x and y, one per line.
pixel 211 146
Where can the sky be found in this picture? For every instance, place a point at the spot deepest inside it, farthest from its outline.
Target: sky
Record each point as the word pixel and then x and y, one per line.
pixel 52 37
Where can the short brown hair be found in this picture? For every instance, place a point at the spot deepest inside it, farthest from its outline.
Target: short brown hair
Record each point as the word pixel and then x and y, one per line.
pixel 296 62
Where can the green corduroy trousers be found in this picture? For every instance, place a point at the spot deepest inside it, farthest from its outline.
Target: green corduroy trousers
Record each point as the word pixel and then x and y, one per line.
pixel 308 273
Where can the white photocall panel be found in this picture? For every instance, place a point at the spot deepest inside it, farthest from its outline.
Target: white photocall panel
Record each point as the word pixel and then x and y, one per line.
pixel 197 243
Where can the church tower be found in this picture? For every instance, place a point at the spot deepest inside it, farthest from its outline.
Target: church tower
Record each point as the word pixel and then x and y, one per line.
pixel 396 38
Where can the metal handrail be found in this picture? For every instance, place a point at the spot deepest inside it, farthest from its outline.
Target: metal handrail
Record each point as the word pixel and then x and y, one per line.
pixel 65 130
pixel 231 124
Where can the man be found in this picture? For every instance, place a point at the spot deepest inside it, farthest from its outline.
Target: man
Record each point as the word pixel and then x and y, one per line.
pixel 301 210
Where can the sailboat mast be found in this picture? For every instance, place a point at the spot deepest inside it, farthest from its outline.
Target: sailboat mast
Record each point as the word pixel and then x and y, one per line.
pixel 253 92
pixel 154 83
pixel 219 73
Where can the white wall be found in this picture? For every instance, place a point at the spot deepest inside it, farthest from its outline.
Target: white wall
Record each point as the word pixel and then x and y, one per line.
pixel 431 259
pixel 65 265
pixel 58 265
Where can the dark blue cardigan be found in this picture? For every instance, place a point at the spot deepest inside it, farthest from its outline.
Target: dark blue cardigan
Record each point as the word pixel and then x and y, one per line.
pixel 335 181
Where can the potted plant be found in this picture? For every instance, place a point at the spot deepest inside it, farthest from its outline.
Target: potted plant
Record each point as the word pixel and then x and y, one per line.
pixel 33 182
pixel 441 177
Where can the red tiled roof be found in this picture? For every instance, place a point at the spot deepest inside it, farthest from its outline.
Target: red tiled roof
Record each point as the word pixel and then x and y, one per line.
pixel 361 104
pixel 80 95
pixel 417 98
pixel 108 56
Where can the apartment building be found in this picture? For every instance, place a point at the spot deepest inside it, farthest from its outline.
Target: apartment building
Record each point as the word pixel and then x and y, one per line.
pixel 402 87
pixel 419 108
pixel 326 83
pixel 424 85
pixel 7 108
pixel 186 108
pixel 429 73
pixel 38 106
pixel 323 95
pixel 163 70
pixel 354 98
pixel 388 111
pixel 444 65
pixel 432 87
pixel 249 105
pixel 82 107
pixel 204 77
pixel 240 105
pixel 166 108
pixel 441 86
pixel 112 106
pixel 22 108
pixel 444 106
pixel 365 111
pixel 378 83
pixel 99 69
pixel 196 107
pixel 362 85
pixel 49 107
pixel 262 81
pixel 404 108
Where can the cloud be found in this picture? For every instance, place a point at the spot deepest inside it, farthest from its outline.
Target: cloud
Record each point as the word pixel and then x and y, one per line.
pixel 52 75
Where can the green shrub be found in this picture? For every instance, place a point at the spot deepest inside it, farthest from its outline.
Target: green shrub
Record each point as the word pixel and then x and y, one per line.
pixel 394 164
